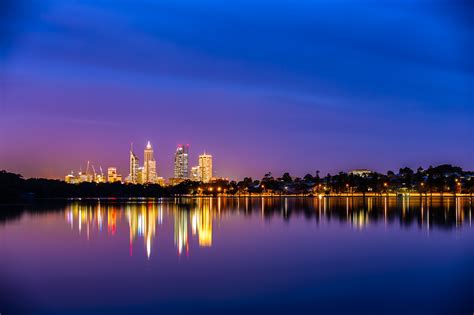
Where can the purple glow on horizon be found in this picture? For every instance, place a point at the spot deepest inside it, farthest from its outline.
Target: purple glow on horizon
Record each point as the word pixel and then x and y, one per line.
pixel 262 87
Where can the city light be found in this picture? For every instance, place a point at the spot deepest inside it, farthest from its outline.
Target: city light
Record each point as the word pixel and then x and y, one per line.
pixel 147 174
pixel 199 179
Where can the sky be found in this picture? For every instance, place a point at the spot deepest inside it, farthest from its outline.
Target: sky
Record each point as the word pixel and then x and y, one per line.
pixel 261 85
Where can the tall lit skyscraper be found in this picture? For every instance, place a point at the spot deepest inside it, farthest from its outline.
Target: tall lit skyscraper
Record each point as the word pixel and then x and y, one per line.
pixel 133 176
pixel 205 167
pixel 149 165
pixel 181 162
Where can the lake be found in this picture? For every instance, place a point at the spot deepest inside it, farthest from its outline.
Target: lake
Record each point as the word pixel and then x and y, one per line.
pixel 292 255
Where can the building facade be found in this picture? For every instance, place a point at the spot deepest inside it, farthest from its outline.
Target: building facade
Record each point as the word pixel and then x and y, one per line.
pixel 205 167
pixel 149 165
pixel 361 172
pixel 195 174
pixel 181 162
pixel 112 175
pixel 134 165
pixel 140 175
pixel 70 179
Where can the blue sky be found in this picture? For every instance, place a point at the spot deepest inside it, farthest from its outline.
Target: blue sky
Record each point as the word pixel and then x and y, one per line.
pixel 263 85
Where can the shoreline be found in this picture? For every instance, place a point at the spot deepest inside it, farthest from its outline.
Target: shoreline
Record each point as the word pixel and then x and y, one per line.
pixel 20 202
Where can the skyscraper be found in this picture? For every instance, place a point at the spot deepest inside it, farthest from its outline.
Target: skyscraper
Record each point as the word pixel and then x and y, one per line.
pixel 205 167
pixel 133 176
pixel 181 162
pixel 149 165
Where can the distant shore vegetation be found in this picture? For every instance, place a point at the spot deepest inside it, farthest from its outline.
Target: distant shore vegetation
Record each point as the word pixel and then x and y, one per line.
pixel 442 179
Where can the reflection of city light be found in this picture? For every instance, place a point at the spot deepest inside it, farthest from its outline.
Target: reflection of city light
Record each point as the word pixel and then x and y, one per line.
pixel 201 222
pixel 141 221
pixel 360 219
pixel 181 230
pixel 205 227
pixel 80 221
pixel 99 219
pixel 148 246
pixel 194 223
pixel 143 218
pixel 140 225
pixel 111 221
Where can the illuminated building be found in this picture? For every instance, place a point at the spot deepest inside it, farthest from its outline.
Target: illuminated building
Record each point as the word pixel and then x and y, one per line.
pixel 133 175
pixel 195 173
pixel 160 181
pixel 205 167
pixel 175 181
pixel 90 176
pixel 70 178
pixel 82 178
pixel 112 175
pixel 140 175
pixel 100 178
pixel 149 165
pixel 361 172
pixel 181 162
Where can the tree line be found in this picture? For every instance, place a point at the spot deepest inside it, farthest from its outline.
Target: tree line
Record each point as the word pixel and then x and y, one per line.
pixel 440 179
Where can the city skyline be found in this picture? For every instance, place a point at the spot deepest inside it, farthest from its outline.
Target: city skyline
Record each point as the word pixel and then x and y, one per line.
pixel 286 85
pixel 194 171
pixel 236 157
pixel 149 173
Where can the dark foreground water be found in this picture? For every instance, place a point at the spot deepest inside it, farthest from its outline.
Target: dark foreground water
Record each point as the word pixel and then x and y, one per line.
pixel 239 256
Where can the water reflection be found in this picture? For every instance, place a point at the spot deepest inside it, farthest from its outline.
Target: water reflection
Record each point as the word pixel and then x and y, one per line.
pixel 202 221
pixel 196 217
pixel 270 255
pixel 142 221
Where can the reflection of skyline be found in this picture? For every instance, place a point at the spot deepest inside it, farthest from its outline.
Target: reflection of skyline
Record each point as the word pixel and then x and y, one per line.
pixel 196 216
pixel 181 231
pixel 202 222
pixel 201 217
pixel 143 219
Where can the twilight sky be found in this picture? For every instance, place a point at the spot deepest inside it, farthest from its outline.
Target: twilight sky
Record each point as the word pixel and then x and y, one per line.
pixel 277 86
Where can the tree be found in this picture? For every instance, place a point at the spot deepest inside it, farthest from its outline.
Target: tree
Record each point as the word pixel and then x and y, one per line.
pixel 308 178
pixel 286 178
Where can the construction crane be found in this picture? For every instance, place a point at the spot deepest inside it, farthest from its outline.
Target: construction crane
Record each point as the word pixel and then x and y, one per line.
pixel 90 177
pixel 95 175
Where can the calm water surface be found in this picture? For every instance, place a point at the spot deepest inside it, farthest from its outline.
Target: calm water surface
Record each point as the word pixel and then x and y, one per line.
pixel 222 256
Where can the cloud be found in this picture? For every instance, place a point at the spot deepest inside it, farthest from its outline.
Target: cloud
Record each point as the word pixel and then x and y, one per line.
pixel 311 71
